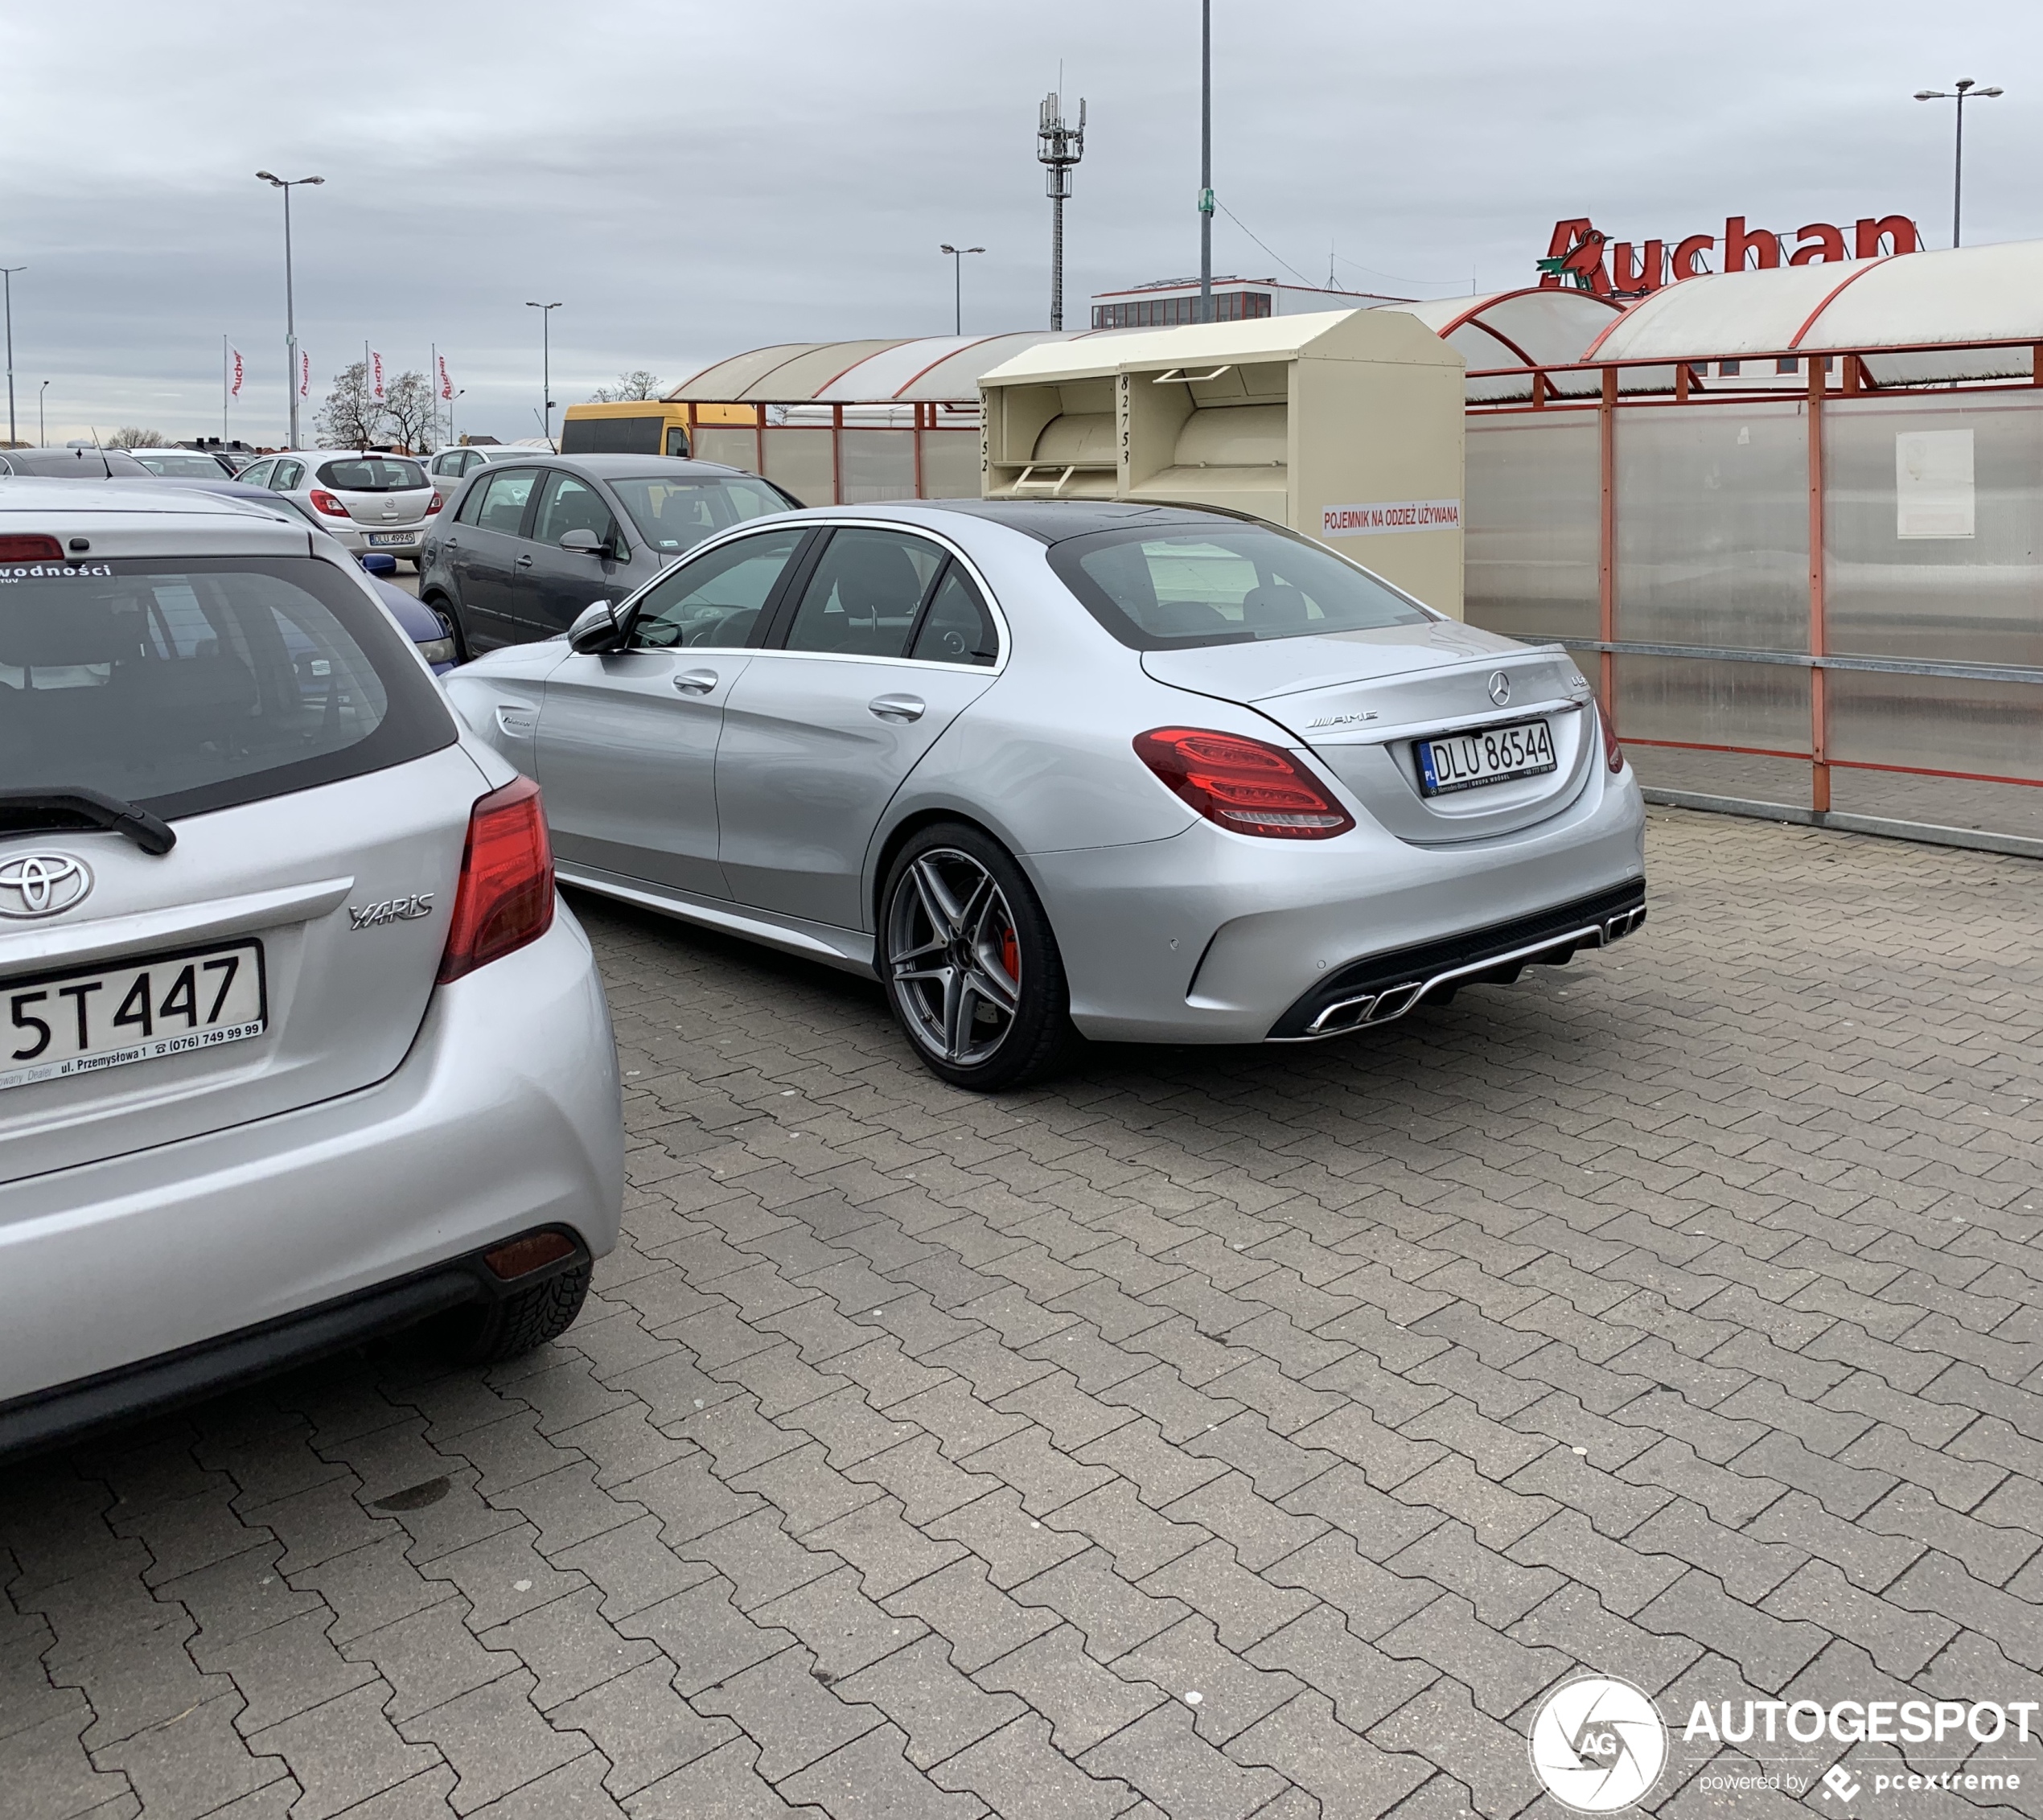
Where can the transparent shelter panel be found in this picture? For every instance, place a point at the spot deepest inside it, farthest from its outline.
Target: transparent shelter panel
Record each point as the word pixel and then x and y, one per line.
pixel 1735 777
pixel 1708 701
pixel 1712 512
pixel 878 464
pixel 801 461
pixel 1937 723
pixel 1932 541
pixel 1937 802
pixel 1532 524
pixel 951 464
pixel 735 446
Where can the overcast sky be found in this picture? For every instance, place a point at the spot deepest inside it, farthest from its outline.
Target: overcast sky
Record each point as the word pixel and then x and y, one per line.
pixel 691 179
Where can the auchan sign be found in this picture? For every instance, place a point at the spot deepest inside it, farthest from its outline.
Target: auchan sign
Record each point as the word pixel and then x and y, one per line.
pixel 1581 255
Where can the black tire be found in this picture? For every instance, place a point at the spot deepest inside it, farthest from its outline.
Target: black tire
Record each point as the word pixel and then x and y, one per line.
pixel 989 1007
pixel 450 617
pixel 489 1333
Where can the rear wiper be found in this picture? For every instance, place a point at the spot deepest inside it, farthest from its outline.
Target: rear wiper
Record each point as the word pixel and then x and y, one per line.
pixel 24 809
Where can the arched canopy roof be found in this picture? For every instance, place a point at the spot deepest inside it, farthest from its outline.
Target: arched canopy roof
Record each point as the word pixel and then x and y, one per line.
pixel 931 369
pixel 1532 327
pixel 1931 304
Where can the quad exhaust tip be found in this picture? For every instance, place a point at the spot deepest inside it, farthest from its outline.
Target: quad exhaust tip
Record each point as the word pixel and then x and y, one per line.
pixel 1369 1010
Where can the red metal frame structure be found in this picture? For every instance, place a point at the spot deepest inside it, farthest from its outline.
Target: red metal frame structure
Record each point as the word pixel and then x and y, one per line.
pixel 1598 386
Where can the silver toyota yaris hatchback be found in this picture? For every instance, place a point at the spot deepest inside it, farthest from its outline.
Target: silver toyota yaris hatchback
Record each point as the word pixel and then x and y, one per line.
pixel 1155 774
pixel 295 1045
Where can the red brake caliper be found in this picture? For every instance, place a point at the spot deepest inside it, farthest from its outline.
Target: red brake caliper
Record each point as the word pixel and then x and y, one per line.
pixel 1011 956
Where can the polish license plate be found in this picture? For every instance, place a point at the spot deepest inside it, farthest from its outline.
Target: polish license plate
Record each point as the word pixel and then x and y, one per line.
pixel 394 536
pixel 1466 761
pixel 97 1017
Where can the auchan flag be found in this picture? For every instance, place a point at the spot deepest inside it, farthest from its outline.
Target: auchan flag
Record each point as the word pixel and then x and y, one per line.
pixel 375 375
pixel 304 374
pixel 446 384
pixel 234 358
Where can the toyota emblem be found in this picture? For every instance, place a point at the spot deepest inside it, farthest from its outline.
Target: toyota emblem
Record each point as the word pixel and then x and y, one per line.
pixel 1500 688
pixel 42 884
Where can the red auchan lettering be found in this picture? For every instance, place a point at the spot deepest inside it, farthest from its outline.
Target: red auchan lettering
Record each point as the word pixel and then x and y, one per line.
pixel 1580 254
pixel 1393 514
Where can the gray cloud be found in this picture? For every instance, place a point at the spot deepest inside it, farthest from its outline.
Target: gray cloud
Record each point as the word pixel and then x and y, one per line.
pixel 693 179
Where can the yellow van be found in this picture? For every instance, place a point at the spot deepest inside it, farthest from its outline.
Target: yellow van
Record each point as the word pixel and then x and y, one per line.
pixel 640 426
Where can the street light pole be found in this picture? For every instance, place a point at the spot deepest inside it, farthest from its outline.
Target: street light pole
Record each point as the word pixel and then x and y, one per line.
pixel 957 284
pixel 290 297
pixel 42 435
pixel 545 365
pixel 7 282
pixel 1965 89
pixel 1206 160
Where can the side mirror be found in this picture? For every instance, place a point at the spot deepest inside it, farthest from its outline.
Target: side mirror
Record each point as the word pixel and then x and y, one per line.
pixel 379 562
pixel 583 543
pixel 597 627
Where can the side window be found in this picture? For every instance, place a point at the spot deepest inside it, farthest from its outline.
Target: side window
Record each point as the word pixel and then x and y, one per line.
pixel 716 599
pixel 957 628
pixel 864 594
pixel 257 474
pixel 288 475
pixel 503 497
pixel 677 441
pixel 567 503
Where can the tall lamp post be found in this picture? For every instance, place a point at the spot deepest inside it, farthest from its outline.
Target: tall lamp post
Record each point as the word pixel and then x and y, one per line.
pixel 1206 160
pixel 957 284
pixel 1967 89
pixel 41 435
pixel 290 299
pixel 7 283
pixel 545 366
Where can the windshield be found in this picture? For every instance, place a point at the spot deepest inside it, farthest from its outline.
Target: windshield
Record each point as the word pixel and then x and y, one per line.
pixel 676 512
pixel 372 474
pixel 1170 590
pixel 194 685
pixel 180 465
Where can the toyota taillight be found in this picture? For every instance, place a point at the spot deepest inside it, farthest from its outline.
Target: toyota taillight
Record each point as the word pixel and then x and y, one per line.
pixel 1613 753
pixel 325 502
pixel 1243 784
pixel 22 546
pixel 505 898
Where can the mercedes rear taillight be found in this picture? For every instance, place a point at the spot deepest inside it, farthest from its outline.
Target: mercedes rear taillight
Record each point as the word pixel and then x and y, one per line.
pixel 1613 753
pixel 1243 784
pixel 505 898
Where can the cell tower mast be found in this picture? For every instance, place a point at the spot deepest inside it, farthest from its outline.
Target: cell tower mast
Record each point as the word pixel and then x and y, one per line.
pixel 1060 146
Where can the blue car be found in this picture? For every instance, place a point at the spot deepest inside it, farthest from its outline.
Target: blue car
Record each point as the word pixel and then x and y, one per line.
pixel 424 627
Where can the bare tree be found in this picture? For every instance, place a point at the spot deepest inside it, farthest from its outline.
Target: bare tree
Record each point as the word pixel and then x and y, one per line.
pixel 131 436
pixel 350 417
pixel 630 388
pixel 408 412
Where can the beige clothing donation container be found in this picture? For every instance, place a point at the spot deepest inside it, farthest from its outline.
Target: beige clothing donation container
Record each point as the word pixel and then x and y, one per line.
pixel 1345 426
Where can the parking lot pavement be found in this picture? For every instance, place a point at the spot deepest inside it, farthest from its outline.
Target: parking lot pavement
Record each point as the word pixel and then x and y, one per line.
pixel 1206 1434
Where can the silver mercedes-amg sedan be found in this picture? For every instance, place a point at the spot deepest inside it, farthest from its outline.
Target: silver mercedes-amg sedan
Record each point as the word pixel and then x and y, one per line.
pixel 1150 774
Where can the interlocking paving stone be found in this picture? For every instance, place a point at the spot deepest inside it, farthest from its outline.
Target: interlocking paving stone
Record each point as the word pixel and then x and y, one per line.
pixel 1678 1315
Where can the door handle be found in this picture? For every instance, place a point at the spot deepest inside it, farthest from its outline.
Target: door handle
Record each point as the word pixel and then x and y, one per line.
pixel 525 562
pixel 695 682
pixel 451 544
pixel 897 707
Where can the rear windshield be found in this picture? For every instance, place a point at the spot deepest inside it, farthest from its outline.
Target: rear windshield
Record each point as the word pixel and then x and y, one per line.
pixel 194 685
pixel 372 474
pixel 181 465
pixel 1175 590
pixel 613 436
pixel 677 512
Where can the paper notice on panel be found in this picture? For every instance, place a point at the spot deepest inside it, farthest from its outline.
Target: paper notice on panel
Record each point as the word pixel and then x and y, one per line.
pixel 1933 483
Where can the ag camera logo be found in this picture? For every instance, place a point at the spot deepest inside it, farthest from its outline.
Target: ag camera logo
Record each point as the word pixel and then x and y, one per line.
pixel 1598 1743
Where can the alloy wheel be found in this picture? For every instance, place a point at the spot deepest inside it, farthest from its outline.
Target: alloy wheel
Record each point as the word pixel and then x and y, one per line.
pixel 953 957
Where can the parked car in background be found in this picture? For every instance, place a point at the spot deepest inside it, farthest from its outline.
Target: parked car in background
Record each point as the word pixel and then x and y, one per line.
pixel 1163 773
pixel 183 464
pixel 72 464
pixel 425 628
pixel 526 545
pixel 299 1047
pixel 449 465
pixel 369 501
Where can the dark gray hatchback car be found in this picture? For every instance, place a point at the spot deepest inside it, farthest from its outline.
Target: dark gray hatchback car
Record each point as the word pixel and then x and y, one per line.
pixel 525 545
